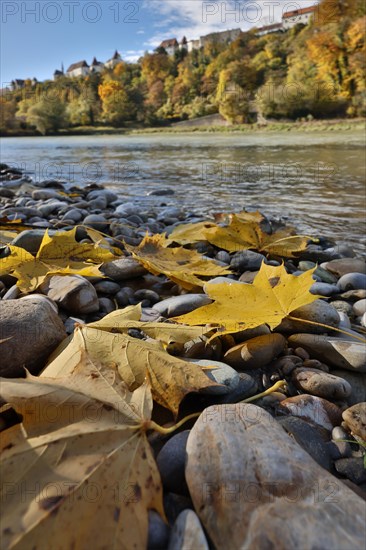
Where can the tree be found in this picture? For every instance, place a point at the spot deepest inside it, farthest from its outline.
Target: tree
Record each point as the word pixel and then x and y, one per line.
pixel 117 107
pixel 46 115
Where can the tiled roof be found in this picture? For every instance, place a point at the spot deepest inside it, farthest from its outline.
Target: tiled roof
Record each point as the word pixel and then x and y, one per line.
pixel 301 11
pixel 77 65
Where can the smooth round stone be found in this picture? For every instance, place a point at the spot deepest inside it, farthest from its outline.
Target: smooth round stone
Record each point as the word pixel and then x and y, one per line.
pixel 158 533
pixel 352 468
pixel 248 277
pixel 363 320
pixel 314 409
pixel 344 250
pixel 147 294
pixel 244 335
pixel 355 419
pixel 171 462
pixel 123 269
pixel 41 298
pixel 107 287
pixel 325 276
pixel 248 479
pixel 222 374
pixel 246 388
pixel 12 293
pixel 30 240
pixel 71 292
pixel 96 221
pixel 247 260
pixel 359 307
pixel 44 194
pixel 124 296
pixel 187 533
pixel 324 289
pixel 338 433
pixel 318 312
pixel 346 265
pixel 223 256
pixel 30 330
pixel 354 295
pixel 107 193
pixel 310 437
pixel 320 383
pixel 343 307
pixel 106 305
pixel 336 352
pixel 179 305
pixel 352 281
pixel 306 266
pixel 256 352
pixel 344 320
pixel 74 215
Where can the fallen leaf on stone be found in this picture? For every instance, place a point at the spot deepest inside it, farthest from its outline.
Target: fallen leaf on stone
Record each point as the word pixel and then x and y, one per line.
pixel 79 470
pixel 224 217
pixel 60 254
pixel 131 360
pixel 189 233
pixel 243 235
pixel 122 320
pixel 273 295
pixel 178 264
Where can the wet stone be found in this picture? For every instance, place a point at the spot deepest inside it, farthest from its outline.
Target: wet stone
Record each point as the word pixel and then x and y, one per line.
pixel 352 468
pixel 256 352
pixel 352 281
pixel 320 383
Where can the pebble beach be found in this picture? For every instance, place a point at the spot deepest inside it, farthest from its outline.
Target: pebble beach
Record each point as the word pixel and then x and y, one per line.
pixel 286 471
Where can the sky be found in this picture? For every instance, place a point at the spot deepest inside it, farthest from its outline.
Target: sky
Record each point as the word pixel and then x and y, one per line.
pixel 38 36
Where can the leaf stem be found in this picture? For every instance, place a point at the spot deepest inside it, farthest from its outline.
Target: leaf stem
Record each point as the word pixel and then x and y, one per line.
pixel 363 340
pixel 275 387
pixel 151 425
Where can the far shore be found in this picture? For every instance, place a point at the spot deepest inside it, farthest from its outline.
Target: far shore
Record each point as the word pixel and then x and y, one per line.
pixel 330 125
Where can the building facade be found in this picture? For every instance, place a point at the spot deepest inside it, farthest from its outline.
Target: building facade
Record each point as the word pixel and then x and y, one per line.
pixel 81 68
pixel 295 17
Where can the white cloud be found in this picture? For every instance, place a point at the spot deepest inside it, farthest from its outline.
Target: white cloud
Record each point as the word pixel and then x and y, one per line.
pixel 141 31
pixel 132 55
pixel 195 18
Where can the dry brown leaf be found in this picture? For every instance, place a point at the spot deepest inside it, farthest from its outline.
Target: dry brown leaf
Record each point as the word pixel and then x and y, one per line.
pixel 79 471
pixel 105 345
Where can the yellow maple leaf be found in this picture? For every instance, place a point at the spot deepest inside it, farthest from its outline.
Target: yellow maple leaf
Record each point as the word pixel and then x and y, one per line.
pixel 106 345
pixel 189 233
pixel 60 254
pixel 182 266
pixel 241 235
pixel 273 295
pixel 79 470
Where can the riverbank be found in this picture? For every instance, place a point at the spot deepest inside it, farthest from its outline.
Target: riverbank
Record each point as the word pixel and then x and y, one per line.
pixel 333 125
pixel 294 457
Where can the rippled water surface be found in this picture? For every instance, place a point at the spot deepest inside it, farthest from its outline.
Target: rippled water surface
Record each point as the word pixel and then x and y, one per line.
pixel 316 180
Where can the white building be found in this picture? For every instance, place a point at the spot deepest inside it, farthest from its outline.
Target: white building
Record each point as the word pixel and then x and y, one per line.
pixel 111 63
pixel 170 46
pixel 81 68
pixel 268 29
pixel 294 17
pixel 96 66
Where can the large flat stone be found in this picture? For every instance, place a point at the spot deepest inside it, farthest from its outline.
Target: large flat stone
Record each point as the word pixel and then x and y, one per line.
pixel 254 487
pixel 336 352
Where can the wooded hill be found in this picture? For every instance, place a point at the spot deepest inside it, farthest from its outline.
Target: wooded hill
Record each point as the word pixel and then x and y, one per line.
pixel 309 71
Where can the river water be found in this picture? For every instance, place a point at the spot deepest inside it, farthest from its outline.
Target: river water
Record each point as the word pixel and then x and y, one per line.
pixel 316 181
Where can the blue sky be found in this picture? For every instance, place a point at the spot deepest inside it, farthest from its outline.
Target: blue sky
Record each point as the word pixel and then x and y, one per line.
pixel 37 36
